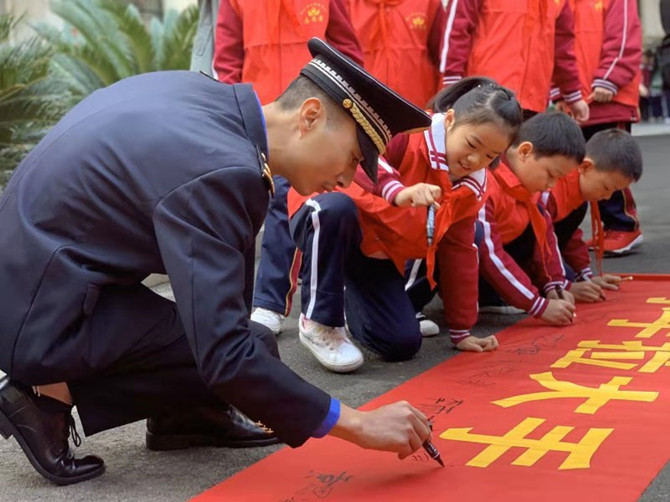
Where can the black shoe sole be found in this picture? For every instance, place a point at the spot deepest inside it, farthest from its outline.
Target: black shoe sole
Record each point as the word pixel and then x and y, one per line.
pixel 8 429
pixel 166 442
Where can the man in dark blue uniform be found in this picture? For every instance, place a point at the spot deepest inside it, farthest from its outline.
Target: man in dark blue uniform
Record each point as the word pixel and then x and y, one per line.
pixel 167 172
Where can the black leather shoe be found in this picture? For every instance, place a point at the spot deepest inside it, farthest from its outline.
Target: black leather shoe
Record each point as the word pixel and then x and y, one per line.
pixel 207 426
pixel 44 436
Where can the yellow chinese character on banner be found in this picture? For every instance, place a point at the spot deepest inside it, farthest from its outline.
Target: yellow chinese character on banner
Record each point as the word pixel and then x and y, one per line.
pixel 595 397
pixel 579 454
pixel 649 328
pixel 631 350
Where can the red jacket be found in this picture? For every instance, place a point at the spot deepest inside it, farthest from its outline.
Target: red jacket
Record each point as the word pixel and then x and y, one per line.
pixel 265 42
pixel 519 43
pixel 399 233
pixel 609 52
pixel 560 201
pixel 401 43
pixel 504 218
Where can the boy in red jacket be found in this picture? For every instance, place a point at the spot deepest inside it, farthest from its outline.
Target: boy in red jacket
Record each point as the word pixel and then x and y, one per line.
pixel 613 161
pixel 518 254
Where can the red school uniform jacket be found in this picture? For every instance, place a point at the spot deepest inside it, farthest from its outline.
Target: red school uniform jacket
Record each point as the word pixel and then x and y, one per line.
pixel 609 51
pixel 401 41
pixel 508 211
pixel 560 201
pixel 265 42
pixel 399 233
pixel 519 43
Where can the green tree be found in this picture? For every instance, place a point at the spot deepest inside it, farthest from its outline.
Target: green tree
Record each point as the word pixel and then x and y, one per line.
pixel 107 40
pixel 31 98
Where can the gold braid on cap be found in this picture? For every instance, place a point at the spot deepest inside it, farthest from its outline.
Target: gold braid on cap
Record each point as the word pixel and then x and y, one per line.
pixel 363 122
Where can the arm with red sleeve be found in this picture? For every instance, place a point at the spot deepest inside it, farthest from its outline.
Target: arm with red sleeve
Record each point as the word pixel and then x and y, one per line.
pixel 228 45
pixel 388 181
pixel 458 269
pixel 462 19
pixel 622 46
pixel 575 251
pixel 436 34
pixel 502 272
pixel 549 271
pixel 340 32
pixel 566 74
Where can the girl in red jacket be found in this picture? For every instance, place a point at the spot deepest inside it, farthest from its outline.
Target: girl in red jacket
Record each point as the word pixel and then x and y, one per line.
pixel 360 237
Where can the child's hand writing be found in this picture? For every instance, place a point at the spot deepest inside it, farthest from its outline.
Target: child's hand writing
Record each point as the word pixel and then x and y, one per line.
pixel 587 292
pixel 559 313
pixel 607 281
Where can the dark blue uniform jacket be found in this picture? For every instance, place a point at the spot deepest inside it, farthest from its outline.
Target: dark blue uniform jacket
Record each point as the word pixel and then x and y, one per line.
pixel 156 173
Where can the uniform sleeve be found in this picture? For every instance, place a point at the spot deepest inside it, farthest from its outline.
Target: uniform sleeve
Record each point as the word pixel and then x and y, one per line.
pixel 458 268
pixel 574 251
pixel 566 74
pixel 340 32
pixel 622 46
pixel 204 229
pixel 549 270
pixel 436 34
pixel 462 19
pixel 228 45
pixel 501 271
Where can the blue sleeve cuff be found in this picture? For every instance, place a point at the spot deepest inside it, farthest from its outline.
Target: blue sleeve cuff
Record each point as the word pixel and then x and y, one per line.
pixel 331 419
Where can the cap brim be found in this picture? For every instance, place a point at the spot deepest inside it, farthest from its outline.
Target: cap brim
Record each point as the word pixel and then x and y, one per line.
pixel 370 154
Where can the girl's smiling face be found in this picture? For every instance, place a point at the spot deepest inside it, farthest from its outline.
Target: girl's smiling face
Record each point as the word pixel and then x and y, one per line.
pixel 471 147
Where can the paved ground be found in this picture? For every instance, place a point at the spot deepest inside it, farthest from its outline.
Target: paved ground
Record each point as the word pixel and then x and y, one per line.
pixel 133 473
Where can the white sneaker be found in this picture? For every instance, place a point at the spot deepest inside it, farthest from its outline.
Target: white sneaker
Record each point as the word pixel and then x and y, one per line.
pixel 427 327
pixel 331 346
pixel 272 320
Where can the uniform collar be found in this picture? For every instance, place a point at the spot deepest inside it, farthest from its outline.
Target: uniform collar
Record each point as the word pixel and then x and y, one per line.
pixel 252 116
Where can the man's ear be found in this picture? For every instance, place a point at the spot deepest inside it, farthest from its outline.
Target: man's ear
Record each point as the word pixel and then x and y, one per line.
pixel 586 166
pixel 311 114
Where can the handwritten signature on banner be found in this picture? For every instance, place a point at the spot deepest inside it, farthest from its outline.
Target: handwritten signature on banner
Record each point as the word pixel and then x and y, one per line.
pixel 625 356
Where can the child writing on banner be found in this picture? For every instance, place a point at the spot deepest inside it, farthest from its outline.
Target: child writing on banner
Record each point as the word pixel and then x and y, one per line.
pixel 265 43
pixel 518 254
pixel 401 43
pixel 360 237
pixel 613 162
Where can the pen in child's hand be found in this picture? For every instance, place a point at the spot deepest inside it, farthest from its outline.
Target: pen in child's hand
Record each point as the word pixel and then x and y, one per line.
pixel 430 224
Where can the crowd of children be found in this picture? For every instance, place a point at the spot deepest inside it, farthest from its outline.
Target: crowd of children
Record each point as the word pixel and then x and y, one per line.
pixel 484 208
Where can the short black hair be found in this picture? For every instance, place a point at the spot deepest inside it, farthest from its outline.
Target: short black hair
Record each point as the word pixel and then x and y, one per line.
pixel 615 150
pixel 303 88
pixel 553 133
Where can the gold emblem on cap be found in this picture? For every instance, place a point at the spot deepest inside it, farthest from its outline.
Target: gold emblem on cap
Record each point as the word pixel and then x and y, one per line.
pixel 365 124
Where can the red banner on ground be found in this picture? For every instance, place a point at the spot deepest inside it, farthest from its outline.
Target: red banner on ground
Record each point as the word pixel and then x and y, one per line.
pixel 575 413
